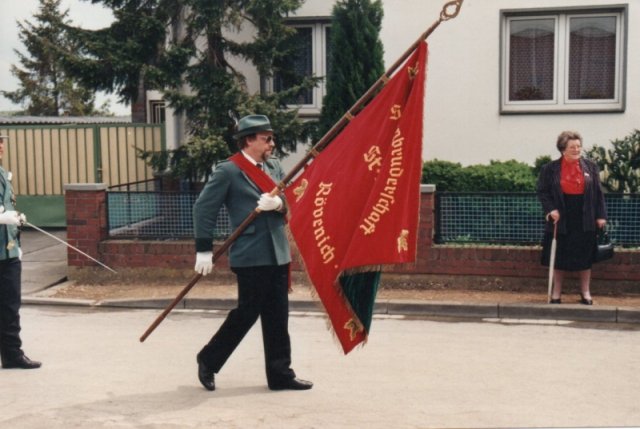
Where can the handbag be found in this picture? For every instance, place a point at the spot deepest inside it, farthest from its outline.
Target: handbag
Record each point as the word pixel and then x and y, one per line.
pixel 605 247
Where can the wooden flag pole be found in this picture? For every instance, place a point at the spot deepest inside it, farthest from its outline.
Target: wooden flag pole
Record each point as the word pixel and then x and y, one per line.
pixel 450 10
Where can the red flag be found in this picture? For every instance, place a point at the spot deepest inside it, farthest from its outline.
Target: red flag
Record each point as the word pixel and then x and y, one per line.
pixel 357 203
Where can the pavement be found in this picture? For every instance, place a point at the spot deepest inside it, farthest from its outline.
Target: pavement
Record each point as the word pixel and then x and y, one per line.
pixel 411 374
pixel 414 372
pixel 44 260
pixel 45 266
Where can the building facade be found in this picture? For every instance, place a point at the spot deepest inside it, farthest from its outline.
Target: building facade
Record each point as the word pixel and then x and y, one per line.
pixel 505 77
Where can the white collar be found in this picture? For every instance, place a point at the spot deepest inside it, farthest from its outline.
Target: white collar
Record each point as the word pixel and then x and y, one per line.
pixel 251 160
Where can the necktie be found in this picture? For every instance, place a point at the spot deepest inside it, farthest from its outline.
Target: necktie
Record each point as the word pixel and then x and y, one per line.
pixel 259 165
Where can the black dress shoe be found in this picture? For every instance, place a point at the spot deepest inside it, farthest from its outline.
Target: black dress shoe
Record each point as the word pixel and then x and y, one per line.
pixel 292 384
pixel 585 301
pixel 21 362
pixel 206 376
pixel 555 301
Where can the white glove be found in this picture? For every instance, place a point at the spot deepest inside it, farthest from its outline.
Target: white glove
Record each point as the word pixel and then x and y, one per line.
pixel 10 217
pixel 204 263
pixel 19 253
pixel 267 203
pixel 23 218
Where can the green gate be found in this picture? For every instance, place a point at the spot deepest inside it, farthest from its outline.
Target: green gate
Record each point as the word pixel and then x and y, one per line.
pixel 45 158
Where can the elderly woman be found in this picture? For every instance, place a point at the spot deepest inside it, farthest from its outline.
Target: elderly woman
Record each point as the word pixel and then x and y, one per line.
pixel 571 196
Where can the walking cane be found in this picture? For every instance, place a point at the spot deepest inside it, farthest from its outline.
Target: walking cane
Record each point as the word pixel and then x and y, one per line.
pixel 552 262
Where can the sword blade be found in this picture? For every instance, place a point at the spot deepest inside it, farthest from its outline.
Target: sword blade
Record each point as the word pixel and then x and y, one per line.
pixel 70 246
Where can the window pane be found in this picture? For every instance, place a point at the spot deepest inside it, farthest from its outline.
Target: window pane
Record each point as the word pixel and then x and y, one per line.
pixel 531 59
pixel 300 66
pixel 157 111
pixel 592 57
pixel 327 40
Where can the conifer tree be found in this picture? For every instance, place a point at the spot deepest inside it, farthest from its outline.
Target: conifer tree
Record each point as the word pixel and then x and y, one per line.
pixel 183 48
pixel 45 89
pixel 356 57
pixel 124 57
pixel 217 87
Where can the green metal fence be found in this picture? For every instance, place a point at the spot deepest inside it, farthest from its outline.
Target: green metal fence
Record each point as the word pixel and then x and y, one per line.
pixel 480 218
pixel 517 218
pixel 155 214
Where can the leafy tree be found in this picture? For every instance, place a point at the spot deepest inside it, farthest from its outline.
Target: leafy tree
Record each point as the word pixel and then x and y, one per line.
pixel 128 57
pixel 620 165
pixel 446 175
pixel 504 176
pixel 539 163
pixel 45 87
pixel 356 57
pixel 498 176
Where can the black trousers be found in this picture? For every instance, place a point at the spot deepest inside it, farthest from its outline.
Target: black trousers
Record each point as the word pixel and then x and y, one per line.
pixel 10 290
pixel 262 292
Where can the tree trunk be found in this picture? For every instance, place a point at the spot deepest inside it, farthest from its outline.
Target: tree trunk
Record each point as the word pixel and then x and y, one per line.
pixel 139 105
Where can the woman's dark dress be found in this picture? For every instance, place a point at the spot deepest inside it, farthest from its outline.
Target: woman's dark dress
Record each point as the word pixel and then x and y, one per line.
pixel 579 212
pixel 575 250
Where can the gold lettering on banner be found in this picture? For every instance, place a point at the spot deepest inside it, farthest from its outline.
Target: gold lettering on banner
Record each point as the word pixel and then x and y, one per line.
pixel 396 112
pixel 413 71
pixel 386 198
pixel 353 326
pixel 403 244
pixel 300 190
pixel 322 239
pixel 373 158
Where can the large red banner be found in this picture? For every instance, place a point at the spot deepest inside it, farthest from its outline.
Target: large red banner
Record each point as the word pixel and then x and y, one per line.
pixel 356 205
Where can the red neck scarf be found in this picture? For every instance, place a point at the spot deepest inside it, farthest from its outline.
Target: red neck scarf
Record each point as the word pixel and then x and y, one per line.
pixel 571 177
pixel 257 175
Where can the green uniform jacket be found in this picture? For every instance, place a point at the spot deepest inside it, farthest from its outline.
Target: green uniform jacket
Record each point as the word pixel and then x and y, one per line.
pixel 264 241
pixel 9 242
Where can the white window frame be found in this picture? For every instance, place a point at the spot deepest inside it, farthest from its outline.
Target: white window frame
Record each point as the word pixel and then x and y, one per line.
pixel 318 68
pixel 560 102
pixel 155 111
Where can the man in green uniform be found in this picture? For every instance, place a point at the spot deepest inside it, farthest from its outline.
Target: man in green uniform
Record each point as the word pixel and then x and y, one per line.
pixel 10 275
pixel 260 257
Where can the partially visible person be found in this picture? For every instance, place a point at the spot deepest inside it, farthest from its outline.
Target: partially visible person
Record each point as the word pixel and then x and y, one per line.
pixel 259 257
pixel 11 352
pixel 571 196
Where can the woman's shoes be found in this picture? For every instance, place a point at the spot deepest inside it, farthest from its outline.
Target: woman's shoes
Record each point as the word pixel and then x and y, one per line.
pixel 585 301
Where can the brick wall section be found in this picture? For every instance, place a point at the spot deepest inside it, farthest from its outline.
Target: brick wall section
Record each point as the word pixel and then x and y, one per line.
pixel 87 230
pixel 86 210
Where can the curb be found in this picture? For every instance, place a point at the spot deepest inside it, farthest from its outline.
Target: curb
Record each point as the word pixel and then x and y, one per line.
pixel 414 308
pixel 29 300
pixel 441 308
pixel 575 312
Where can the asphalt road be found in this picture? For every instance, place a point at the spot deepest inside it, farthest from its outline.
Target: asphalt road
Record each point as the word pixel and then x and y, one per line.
pixel 411 374
pixel 44 260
